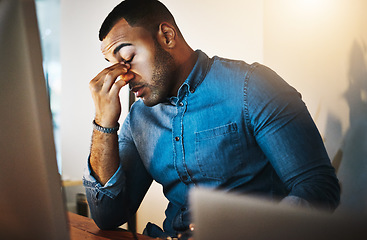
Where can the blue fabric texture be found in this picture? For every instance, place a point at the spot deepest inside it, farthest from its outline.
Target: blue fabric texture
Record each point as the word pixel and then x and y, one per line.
pixel 233 126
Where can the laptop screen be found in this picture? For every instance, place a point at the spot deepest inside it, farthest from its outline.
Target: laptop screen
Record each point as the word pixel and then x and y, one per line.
pixel 219 215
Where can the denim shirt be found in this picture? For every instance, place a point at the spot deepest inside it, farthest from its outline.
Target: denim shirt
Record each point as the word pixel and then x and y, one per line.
pixel 232 126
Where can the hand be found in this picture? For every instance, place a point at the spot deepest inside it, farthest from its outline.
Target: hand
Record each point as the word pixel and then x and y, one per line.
pixel 105 93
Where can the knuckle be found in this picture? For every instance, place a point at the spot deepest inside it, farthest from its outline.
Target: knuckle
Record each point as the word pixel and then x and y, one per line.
pixel 94 87
pixel 109 76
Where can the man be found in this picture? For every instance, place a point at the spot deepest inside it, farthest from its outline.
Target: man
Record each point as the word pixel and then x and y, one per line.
pixel 200 121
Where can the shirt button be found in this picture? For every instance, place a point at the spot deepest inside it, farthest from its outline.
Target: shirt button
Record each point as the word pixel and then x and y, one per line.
pixel 184 178
pixel 181 104
pixel 177 139
pixel 192 91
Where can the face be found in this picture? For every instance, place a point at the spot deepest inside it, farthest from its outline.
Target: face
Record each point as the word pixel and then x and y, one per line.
pixel 153 67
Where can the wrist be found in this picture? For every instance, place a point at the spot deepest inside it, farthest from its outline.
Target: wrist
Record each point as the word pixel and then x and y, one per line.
pixel 104 129
pixel 105 121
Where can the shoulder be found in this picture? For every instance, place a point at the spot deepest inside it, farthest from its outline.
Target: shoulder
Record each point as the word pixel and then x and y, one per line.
pixel 229 64
pixel 263 82
pixel 226 73
pixel 268 97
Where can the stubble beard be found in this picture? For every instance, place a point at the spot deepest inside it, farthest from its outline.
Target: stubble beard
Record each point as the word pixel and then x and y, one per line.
pixel 162 77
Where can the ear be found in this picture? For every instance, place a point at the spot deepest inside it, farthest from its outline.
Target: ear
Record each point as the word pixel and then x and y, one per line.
pixel 167 36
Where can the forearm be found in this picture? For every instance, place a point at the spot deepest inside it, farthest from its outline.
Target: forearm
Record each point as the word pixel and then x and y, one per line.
pixel 105 183
pixel 113 202
pixel 104 157
pixel 104 88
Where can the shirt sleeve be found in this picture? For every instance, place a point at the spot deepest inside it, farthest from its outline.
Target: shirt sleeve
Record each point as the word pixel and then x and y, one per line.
pixel 115 202
pixel 112 188
pixel 287 135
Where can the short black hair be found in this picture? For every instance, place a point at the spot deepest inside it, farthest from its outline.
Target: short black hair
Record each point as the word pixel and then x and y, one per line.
pixel 138 13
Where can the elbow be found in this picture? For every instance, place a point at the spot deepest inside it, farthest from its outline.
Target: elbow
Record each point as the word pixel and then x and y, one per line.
pixel 105 221
pixel 106 214
pixel 326 196
pixel 334 194
pixel 320 188
pixel 106 225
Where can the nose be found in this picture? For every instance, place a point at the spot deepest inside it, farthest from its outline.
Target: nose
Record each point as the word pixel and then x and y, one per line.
pixel 135 81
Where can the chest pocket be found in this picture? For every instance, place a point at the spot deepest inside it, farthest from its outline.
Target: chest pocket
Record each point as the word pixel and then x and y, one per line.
pixel 218 151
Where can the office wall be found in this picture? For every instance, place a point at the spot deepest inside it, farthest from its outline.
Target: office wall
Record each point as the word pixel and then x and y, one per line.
pixel 320 47
pixel 233 30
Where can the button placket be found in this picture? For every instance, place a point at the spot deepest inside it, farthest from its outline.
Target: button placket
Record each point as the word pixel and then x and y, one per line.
pixel 177 129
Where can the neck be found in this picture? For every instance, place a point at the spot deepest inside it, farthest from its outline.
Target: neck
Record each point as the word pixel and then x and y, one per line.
pixel 185 62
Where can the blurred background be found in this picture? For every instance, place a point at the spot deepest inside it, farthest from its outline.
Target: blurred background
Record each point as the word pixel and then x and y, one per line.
pixel 318 47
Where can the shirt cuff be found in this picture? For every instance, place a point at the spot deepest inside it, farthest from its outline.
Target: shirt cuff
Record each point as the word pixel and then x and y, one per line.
pixel 113 186
pixel 296 202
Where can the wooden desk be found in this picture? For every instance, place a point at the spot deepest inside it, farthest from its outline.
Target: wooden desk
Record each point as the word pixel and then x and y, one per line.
pixel 85 228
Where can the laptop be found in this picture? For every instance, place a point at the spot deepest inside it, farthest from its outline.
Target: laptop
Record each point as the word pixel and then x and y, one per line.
pixel 219 215
pixel 31 202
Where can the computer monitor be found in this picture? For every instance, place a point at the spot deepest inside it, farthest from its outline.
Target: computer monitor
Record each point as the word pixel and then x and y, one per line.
pixel 31 201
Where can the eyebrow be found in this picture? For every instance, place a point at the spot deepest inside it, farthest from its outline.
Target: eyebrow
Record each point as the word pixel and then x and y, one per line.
pixel 120 46
pixel 118 49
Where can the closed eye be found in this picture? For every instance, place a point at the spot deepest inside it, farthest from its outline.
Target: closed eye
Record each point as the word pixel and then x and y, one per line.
pixel 128 61
pixel 126 50
pixel 120 46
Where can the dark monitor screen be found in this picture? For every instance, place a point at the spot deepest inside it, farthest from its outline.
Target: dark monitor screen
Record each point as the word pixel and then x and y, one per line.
pixel 31 201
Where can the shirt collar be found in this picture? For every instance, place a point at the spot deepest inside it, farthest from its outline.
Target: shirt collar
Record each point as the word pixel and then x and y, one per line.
pixel 199 71
pixel 195 77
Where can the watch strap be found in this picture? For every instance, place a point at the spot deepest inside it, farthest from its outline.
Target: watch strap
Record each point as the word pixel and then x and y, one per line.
pixel 104 129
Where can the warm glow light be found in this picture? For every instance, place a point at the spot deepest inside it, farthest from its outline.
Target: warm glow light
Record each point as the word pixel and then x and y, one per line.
pixel 311 10
pixel 316 6
pixel 313 3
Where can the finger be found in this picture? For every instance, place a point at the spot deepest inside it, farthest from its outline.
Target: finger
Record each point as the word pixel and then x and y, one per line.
pixel 111 76
pixel 118 65
pixel 125 79
pixel 102 74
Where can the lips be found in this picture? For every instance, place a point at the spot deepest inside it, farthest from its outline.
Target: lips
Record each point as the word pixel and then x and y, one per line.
pixel 138 90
